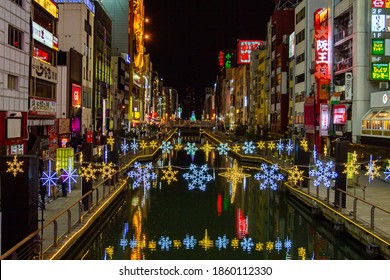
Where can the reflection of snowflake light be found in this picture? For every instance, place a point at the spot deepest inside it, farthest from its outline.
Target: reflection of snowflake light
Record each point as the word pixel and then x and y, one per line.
pixel 323 173
pixel 351 167
pixel 249 147
pixel 247 244
pixel 280 146
pixel 295 175
pixel 287 244
pixel 234 174
pixel 152 245
pixel 178 147
pixel 236 148
pixel 206 242
pixel 189 242
pixel 302 253
pixel 133 243
pixel 88 172
pixel 190 148
pixel 49 178
pixel 235 243
pixel 15 166
pixel 166 147
pixel 221 242
pixel 278 245
pixel 124 147
pixel 169 175
pixel 387 172
pixel 223 149
pixel 304 145
pixel 207 147
pixel 176 244
pixel 142 175
pixel 372 169
pixel 197 177
pixel 289 147
pixel 269 177
pixel 134 146
pixel 165 243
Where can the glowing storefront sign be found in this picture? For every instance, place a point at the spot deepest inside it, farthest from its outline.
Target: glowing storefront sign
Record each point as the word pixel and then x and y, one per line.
pixel 339 114
pixel 322 47
pixel 49 6
pixel 324 123
pixel 76 95
pixel 244 49
pixel 44 36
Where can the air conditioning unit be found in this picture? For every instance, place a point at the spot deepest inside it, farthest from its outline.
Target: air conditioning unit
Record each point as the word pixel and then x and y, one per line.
pixel 383 85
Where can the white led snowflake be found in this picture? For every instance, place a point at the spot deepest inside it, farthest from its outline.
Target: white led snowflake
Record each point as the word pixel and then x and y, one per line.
pixel 269 177
pixel 289 147
pixel 189 242
pixel 134 146
pixel 248 147
pixel 323 173
pixel 287 244
pixel 142 175
pixel 190 148
pixel 133 243
pixel 70 176
pixel 372 169
pixel 165 243
pixel 223 149
pixel 50 178
pixel 247 244
pixel 166 147
pixel 280 146
pixel 197 177
pixel 124 147
pixel 278 245
pixel 221 242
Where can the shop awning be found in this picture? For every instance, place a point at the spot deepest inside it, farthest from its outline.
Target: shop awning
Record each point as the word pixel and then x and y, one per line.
pixel 376 122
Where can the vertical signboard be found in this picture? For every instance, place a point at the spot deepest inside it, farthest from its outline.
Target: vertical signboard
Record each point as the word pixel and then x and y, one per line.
pixel 324 122
pixel 76 95
pixel 244 49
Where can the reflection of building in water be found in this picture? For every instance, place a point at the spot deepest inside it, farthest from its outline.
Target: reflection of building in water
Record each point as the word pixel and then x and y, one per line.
pixel 136 253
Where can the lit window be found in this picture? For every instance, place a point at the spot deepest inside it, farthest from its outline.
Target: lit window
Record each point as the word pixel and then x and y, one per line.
pixel 15 37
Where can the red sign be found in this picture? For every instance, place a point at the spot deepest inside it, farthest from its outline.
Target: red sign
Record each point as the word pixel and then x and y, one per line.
pixel 40 54
pixel 339 114
pixel 322 46
pixel 245 48
pixel 221 59
pixel 89 136
pixel 378 3
pixel 76 95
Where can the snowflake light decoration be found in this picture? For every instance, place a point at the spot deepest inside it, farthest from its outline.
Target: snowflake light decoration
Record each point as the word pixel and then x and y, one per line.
pixel 134 146
pixel 165 243
pixel 143 144
pixel 236 148
pixel 387 171
pixel 88 172
pixel 372 169
pixel 304 145
pixel 153 144
pixel 110 141
pixel 248 147
pixel 166 147
pixel 278 245
pixel 271 146
pixel 15 166
pixel 190 148
pixel 352 168
pixel 142 175
pixel 223 149
pixel 178 147
pixel 124 147
pixel 133 243
pixel 70 176
pixel 189 242
pixel 206 242
pixel 207 148
pixel 287 244
pixel 247 244
pixel 261 145
pixel 280 146
pixel 197 177
pixel 234 174
pixel 295 175
pixel 323 173
pixel 50 178
pixel 107 170
pixel 169 175
pixel 289 147
pixel 221 242
pixel 269 177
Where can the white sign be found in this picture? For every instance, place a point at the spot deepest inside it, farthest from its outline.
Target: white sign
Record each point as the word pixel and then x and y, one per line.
pixel 385 98
pixel 42 35
pixel 348 85
pixel 43 71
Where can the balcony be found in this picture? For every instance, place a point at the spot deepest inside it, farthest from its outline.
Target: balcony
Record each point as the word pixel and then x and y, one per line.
pixel 342 36
pixel 342 65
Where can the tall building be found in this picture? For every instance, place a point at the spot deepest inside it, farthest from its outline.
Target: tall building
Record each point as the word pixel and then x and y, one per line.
pixel 14 75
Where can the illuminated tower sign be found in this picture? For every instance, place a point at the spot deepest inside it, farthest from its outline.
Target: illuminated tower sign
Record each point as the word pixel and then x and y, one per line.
pixel 226 59
pixel 244 49
pixel 380 40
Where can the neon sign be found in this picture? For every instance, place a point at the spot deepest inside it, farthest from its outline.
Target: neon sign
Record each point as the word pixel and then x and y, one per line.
pixel 322 44
pixel 245 47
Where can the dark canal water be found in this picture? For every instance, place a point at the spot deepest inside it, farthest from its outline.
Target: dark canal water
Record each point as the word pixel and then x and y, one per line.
pixel 223 221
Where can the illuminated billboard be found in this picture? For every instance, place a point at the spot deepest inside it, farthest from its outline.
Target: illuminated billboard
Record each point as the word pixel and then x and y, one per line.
pixel 244 49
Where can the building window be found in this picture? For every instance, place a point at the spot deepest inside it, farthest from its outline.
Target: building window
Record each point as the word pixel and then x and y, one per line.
pixel 19 2
pixel 12 82
pixel 300 37
pixel 15 37
pixel 300 15
pixel 300 78
pixel 300 58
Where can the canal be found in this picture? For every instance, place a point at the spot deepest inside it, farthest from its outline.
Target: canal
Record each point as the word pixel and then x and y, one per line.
pixel 195 207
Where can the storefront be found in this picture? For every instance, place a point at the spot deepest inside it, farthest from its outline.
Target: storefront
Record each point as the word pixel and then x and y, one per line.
pixel 376 122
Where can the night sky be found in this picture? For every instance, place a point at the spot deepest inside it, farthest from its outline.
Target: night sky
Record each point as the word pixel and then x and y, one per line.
pixel 186 36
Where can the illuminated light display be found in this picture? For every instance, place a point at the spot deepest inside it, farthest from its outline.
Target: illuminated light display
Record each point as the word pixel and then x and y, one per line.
pixel 322 44
pixel 50 178
pixel 241 224
pixel 88 172
pixel 169 175
pixel 142 175
pixel 178 147
pixel 304 145
pixel 165 243
pixel 372 169
pixel 226 59
pixel 124 147
pixel 271 146
pixel 261 145
pixel 323 173
pixel 269 176
pixel 206 243
pixel 49 6
pixel 107 170
pixel 15 166
pixel 248 147
pixel 197 177
pixel 143 144
pixel 234 174
pixel 351 167
pixel 247 244
pixel 76 95
pixel 207 148
pixel 153 144
pixel 134 146
pixel 236 148
pixel 110 141
pixel 295 175
pixel 190 148
pixel 387 171
pixel 244 49
pixel 223 149
pixel 166 147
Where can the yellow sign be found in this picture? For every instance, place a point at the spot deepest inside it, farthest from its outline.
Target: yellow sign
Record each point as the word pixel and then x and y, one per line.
pixel 49 6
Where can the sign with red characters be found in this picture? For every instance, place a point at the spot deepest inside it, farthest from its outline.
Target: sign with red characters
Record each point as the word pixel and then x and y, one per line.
pixel 322 44
pixel 76 95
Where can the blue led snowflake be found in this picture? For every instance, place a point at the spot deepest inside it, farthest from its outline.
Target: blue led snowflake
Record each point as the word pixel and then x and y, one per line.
pixel 269 177
pixel 223 149
pixel 197 177
pixel 134 146
pixel 190 148
pixel 280 146
pixel 323 173
pixel 278 245
pixel 50 178
pixel 142 175
pixel 387 173
pixel 289 147
pixel 189 242
pixel 249 147
pixel 124 147
pixel 123 242
pixel 287 244
pixel 247 244
pixel 165 243
pixel 166 147
pixel 70 177
pixel 221 242
pixel 133 243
